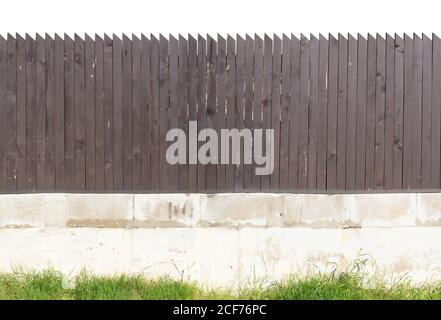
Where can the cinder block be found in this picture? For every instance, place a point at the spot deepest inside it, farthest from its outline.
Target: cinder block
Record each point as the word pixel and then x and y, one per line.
pixel 166 210
pixel 276 210
pixel 32 210
pixel 429 209
pixel 99 210
pixel 283 210
pixel 319 210
pixel 384 210
pixel 234 209
pixel 293 210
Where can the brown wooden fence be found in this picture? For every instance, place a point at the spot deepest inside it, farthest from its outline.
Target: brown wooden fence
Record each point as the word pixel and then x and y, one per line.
pixel 91 115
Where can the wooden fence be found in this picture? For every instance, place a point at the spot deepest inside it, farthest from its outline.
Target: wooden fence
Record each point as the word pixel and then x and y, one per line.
pixel 91 115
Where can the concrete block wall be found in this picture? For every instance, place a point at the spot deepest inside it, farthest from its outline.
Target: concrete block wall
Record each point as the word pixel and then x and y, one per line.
pixel 233 210
pixel 222 240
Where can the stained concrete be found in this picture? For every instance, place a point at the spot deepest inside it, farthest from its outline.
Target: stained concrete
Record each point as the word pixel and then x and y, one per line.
pixel 384 210
pixel 166 210
pixel 235 210
pixel 325 210
pixel 99 210
pixel 32 210
pixel 429 209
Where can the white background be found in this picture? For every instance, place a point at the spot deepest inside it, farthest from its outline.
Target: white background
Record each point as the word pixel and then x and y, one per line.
pixel 220 16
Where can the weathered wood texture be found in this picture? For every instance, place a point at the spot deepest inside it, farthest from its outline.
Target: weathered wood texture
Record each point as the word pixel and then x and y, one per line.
pixel 91 114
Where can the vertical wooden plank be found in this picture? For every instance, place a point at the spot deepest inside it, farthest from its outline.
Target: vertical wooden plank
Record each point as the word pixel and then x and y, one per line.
pixel 389 121
pixel 79 119
pixel 164 124
pixel 240 107
pixel 351 129
pixel 342 111
pixel 99 115
pixel 137 118
pixel 21 114
pixel 257 99
pixel 108 113
pixel 436 114
pixel 11 115
pixel 322 113
pixel 40 120
pixel 220 98
pixel 118 142
pixel 313 113
pixel 31 164
pixel 370 112
pixel 211 107
pixel 407 126
pixel 50 112
pixel 248 117
pixel 202 103
pixel 285 102
pixel 183 105
pixel 380 95
pixel 304 112
pixel 174 105
pixel 266 100
pixel 3 106
pixel 294 114
pixel 331 160
pixel 275 110
pixel 426 113
pixel 69 113
pixel 360 161
pixel 58 114
pixel 127 123
pixel 192 104
pixel 90 121
pixel 398 113
pixel 155 98
pixel 417 111
pixel 231 105
pixel 146 113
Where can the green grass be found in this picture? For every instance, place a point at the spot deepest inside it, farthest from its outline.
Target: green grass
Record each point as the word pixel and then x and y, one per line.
pixel 51 285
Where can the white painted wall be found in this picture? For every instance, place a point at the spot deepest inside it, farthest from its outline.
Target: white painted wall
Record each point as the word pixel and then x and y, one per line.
pixel 224 257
